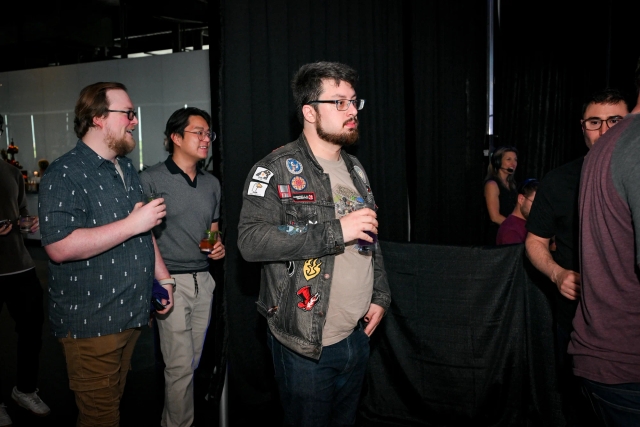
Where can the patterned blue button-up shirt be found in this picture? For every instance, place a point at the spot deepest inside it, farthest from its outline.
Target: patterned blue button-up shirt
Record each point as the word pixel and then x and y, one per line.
pixel 110 292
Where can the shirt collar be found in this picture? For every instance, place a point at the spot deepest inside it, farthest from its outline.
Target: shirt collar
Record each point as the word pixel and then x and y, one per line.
pixel 175 169
pixel 93 158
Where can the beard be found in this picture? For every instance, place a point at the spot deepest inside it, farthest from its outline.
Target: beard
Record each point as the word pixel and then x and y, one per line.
pixel 121 146
pixel 340 139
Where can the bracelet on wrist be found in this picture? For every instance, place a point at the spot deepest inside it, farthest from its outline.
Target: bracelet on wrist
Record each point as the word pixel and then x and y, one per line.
pixel 169 281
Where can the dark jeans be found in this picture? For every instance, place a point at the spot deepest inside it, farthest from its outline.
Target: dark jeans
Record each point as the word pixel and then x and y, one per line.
pixel 323 392
pixel 617 405
pixel 22 293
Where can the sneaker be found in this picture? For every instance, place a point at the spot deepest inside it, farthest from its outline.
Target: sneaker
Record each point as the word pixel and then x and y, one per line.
pixel 5 419
pixel 30 401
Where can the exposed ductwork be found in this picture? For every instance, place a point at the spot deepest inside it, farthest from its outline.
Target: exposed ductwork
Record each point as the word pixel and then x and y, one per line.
pixel 76 31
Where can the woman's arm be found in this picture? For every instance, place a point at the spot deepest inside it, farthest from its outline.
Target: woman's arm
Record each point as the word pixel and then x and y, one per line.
pixel 491 196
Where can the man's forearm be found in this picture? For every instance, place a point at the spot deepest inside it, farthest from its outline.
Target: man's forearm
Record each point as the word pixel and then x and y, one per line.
pixel 85 243
pixel 540 256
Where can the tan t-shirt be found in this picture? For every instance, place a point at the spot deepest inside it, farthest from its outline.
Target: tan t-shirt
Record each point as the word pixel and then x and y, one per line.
pixel 352 282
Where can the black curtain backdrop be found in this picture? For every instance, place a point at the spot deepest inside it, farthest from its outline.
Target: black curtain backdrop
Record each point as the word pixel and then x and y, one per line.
pixel 423 70
pixel 463 344
pixel 549 59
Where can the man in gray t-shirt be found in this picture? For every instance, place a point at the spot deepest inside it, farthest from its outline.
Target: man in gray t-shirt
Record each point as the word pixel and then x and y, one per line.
pixel 192 197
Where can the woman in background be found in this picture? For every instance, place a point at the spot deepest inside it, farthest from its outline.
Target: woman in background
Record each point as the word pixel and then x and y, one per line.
pixel 500 192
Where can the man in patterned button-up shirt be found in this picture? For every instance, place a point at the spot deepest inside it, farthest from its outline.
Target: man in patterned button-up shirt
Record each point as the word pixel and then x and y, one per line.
pixel 103 258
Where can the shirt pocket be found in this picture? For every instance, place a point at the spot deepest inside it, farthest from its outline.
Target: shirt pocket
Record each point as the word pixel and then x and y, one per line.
pixel 301 214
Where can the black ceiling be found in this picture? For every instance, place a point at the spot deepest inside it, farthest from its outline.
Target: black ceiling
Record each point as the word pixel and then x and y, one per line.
pixel 56 32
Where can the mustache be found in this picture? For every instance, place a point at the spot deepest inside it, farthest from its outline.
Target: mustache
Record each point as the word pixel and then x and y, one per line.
pixel 353 119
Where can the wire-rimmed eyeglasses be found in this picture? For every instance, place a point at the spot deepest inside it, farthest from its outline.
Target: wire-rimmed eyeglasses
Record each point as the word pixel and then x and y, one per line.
pixel 203 134
pixel 341 104
pixel 595 123
pixel 130 113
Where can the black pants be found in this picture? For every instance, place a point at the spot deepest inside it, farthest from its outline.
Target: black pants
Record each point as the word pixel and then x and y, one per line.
pixel 22 293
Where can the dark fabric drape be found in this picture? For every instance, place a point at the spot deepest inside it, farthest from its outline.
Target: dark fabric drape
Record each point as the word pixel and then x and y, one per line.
pixel 463 344
pixel 548 64
pixel 445 86
pixel 264 43
pixel 423 73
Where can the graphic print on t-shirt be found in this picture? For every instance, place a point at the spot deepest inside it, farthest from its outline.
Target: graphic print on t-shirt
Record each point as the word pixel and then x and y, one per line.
pixel 346 200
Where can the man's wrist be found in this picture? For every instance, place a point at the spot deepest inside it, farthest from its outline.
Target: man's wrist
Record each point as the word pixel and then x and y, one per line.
pixel 168 281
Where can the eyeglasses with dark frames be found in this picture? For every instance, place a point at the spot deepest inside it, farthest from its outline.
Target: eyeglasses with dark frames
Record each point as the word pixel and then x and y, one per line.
pixel 341 104
pixel 595 123
pixel 130 113
pixel 202 134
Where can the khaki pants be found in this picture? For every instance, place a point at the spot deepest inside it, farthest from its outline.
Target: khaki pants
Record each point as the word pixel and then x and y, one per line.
pixel 182 332
pixel 97 369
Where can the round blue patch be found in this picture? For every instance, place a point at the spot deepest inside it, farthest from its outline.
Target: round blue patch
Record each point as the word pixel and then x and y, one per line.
pixel 294 166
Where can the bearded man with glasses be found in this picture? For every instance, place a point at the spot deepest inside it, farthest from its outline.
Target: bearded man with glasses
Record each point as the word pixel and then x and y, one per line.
pixel 103 258
pixel 304 208
pixel 554 214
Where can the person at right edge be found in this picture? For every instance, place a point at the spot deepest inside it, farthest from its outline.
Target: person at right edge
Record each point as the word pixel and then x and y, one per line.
pixel 555 213
pixel 321 297
pixel 605 342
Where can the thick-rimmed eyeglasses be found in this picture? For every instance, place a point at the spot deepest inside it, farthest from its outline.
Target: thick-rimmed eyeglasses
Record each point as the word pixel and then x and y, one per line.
pixel 202 134
pixel 130 113
pixel 342 104
pixel 594 123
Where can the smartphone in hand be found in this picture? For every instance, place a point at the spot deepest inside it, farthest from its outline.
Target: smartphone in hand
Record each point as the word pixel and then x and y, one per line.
pixel 158 304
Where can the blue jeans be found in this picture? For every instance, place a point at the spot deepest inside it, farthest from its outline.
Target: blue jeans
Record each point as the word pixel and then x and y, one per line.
pixel 617 405
pixel 323 392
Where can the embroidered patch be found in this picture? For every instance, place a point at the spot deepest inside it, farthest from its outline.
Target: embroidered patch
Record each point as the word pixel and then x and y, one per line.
pixel 304 197
pixel 294 166
pixel 284 191
pixel 360 173
pixel 291 268
pixel 298 183
pixel 262 174
pixel 308 301
pixel 257 189
pixel 311 268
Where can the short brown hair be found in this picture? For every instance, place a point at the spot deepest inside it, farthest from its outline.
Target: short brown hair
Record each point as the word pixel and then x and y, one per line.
pixel 307 83
pixel 92 103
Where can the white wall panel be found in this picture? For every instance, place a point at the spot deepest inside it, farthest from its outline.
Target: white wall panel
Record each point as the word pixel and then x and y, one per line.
pixel 158 85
